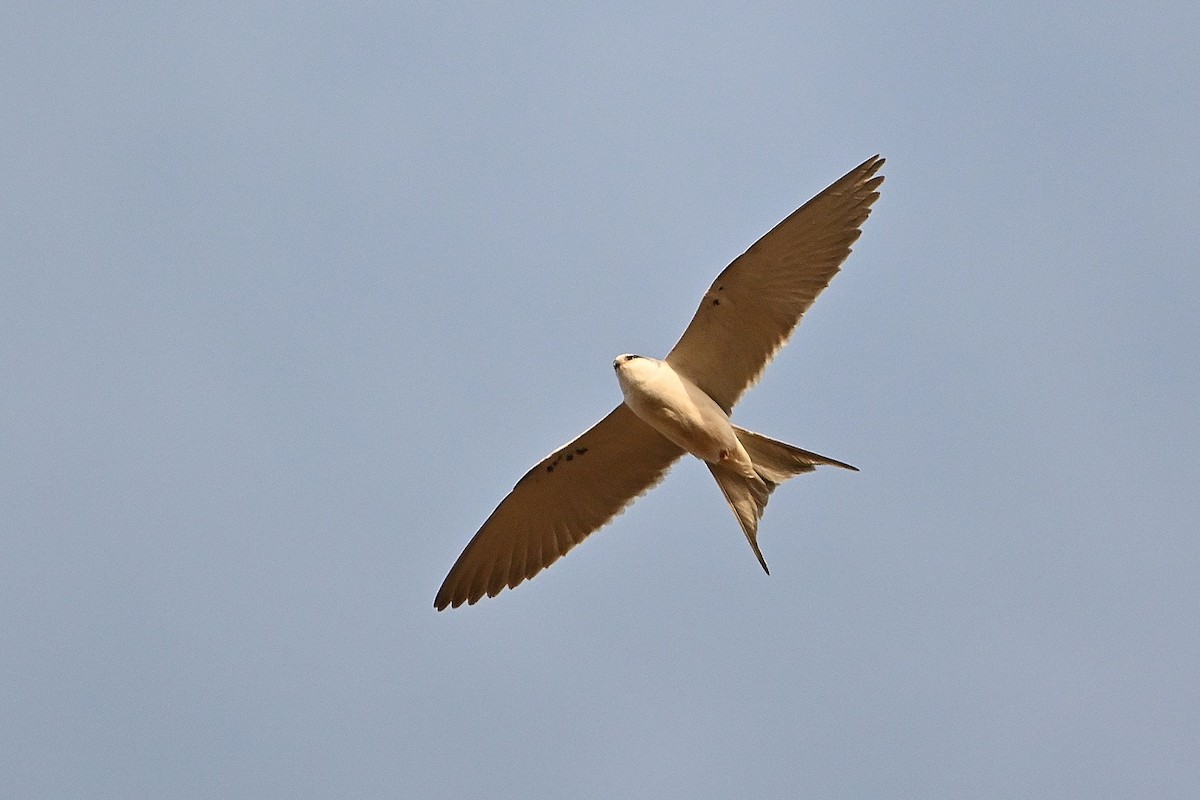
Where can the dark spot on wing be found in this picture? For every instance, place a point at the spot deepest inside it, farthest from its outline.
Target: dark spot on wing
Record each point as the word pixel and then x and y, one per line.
pixel 716 302
pixel 564 456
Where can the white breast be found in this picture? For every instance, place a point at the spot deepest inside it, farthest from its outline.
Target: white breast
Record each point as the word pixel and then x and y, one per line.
pixel 676 408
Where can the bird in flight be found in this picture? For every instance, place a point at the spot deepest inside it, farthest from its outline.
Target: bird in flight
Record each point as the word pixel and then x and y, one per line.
pixel 679 405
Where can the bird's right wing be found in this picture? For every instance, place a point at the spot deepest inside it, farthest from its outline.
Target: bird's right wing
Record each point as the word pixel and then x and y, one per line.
pixel 754 304
pixel 572 492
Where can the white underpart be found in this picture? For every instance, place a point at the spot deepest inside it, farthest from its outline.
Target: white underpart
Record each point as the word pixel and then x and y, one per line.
pixel 681 411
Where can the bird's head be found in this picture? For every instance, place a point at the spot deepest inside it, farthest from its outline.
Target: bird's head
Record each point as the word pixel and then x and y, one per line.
pixel 634 369
pixel 622 360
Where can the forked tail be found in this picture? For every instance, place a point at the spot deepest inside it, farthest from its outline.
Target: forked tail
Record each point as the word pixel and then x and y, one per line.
pixel 774 463
pixel 777 461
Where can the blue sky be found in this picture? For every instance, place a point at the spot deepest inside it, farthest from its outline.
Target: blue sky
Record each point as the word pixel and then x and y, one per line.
pixel 292 294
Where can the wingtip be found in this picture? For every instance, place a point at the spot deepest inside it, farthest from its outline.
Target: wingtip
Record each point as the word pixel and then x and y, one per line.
pixel 446 599
pixel 868 168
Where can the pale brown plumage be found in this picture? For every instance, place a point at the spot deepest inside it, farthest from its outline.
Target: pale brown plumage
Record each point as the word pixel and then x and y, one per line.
pixel 756 302
pixel 744 318
pixel 616 460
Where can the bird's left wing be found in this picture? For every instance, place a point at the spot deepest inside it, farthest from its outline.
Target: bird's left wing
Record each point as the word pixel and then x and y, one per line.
pixel 572 492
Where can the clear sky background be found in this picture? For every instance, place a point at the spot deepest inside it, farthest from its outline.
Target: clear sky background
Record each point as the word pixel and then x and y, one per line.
pixel 291 294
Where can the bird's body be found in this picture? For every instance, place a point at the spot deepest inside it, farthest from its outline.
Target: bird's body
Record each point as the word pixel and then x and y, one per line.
pixel 679 405
pixel 680 410
pixel 686 416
